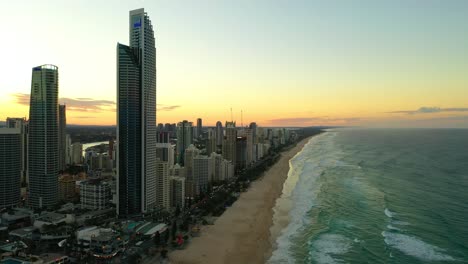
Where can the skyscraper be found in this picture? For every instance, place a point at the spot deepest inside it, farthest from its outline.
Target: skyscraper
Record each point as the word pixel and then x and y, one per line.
pixel 190 153
pixel 163 185
pixel 21 124
pixel 136 118
pixel 219 133
pixel 229 144
pixel 211 142
pixel 62 137
pixel 10 164
pixel 184 139
pixel 165 152
pixel 201 174
pixel 198 130
pixel 43 150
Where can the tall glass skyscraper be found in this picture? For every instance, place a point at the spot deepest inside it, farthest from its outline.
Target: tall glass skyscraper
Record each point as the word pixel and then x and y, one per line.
pixel 62 137
pixel 184 139
pixel 136 118
pixel 43 150
pixel 10 166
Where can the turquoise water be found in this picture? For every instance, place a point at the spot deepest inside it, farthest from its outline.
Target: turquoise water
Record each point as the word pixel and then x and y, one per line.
pixel 377 196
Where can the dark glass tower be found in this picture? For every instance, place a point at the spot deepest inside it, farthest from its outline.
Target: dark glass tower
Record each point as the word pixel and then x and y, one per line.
pixel 10 166
pixel 43 151
pixel 62 137
pixel 136 118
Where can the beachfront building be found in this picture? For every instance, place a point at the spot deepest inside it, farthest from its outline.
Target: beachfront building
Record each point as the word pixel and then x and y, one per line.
pixel 163 184
pixel 184 139
pixel 10 166
pixel 221 169
pixel 190 153
pixel 136 118
pixel 43 149
pixel 229 143
pixel 177 191
pixel 241 153
pixel 103 243
pixel 201 173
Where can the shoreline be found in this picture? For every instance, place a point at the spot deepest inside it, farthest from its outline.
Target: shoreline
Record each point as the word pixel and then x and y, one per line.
pixel 242 233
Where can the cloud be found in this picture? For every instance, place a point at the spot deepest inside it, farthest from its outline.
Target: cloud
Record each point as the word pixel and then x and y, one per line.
pixel 21 98
pixel 161 107
pixel 73 104
pixel 428 110
pixel 87 104
pixel 301 121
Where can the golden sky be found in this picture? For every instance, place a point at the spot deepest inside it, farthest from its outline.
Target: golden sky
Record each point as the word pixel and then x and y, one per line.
pixel 283 63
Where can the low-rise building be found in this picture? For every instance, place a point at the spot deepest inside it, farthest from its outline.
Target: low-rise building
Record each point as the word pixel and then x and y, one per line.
pixel 103 243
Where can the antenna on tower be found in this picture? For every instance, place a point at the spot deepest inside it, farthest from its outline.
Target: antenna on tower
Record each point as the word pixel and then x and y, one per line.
pixel 232 119
pixel 242 119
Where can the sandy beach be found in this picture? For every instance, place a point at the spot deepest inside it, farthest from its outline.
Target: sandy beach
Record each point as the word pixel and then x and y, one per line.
pixel 242 233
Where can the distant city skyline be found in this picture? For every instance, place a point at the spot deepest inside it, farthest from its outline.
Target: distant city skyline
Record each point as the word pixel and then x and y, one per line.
pixel 299 63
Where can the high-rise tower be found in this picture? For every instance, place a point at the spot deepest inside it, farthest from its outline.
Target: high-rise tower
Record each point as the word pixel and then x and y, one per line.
pixel 229 144
pixel 43 150
pixel 184 139
pixel 219 134
pixel 22 125
pixel 136 118
pixel 10 164
pixel 62 137
pixel 198 129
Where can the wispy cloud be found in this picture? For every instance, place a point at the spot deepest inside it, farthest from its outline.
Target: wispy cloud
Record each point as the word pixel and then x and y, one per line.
pixel 86 104
pixel 74 104
pixel 428 110
pixel 301 121
pixel 161 107
pixel 84 117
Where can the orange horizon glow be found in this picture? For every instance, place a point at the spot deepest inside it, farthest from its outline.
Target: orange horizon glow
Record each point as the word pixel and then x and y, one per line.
pixel 301 63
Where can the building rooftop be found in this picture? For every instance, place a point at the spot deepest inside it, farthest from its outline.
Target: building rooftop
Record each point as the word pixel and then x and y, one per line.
pixel 46 67
pixel 5 130
pixel 22 232
pixel 50 217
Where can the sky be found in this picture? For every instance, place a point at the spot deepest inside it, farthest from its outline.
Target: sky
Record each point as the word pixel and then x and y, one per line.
pixel 282 63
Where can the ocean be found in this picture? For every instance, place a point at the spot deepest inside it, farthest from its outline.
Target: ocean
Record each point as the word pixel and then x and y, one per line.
pixel 375 196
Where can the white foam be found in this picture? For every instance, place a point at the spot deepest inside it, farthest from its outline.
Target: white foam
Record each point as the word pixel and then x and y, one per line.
pixel 414 247
pixel 327 246
pixel 356 240
pixel 389 213
pixel 393 228
pixel 402 223
pixel 301 189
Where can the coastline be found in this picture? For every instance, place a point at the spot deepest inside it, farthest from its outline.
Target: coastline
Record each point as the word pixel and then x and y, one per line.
pixel 242 233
